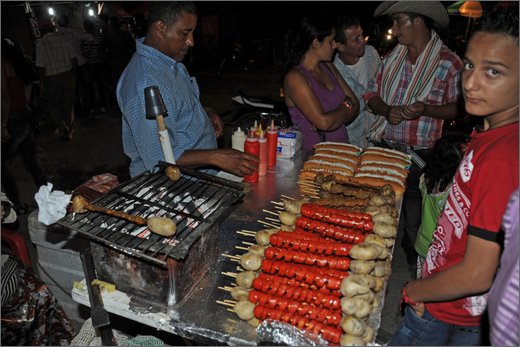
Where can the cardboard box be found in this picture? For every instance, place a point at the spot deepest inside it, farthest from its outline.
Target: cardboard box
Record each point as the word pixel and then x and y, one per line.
pixel 289 143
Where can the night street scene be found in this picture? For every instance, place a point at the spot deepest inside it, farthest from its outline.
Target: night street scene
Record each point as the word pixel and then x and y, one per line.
pixel 255 172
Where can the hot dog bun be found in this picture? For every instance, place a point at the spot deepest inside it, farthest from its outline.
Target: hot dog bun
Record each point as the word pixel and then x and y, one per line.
pixel 383 158
pixel 344 147
pixel 388 151
pixel 384 170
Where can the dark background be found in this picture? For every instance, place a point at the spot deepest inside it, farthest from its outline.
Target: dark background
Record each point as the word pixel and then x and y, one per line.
pixel 251 30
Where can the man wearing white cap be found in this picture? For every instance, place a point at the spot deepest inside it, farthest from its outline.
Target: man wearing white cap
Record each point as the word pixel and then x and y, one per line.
pixel 416 90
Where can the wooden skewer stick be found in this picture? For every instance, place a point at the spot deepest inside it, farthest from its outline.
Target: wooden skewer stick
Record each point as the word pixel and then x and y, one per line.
pixel 232 257
pixel 230 310
pixel 245 234
pixel 268 224
pixel 227 289
pixel 247 243
pixel 242 248
pixel 279 208
pixel 230 274
pixel 273 220
pixel 287 197
pixel 271 212
pixel 225 303
pixel 249 231
pixel 230 301
pixel 308 183
pixel 277 203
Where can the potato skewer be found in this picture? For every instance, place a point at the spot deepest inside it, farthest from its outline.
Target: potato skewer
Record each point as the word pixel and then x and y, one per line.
pixel 160 225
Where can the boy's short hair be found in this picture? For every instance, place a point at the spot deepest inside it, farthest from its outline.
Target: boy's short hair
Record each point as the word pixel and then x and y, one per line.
pixel 503 19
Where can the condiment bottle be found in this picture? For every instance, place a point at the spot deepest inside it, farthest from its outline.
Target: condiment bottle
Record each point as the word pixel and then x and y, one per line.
pixel 238 140
pixel 252 147
pixel 258 130
pixel 272 144
pixel 262 141
pixel 255 126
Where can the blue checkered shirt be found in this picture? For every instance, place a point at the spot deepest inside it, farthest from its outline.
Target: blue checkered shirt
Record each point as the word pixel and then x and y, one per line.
pixel 188 124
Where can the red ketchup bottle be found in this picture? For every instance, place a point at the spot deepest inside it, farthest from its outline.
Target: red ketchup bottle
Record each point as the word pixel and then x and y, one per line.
pixel 262 142
pixel 252 147
pixel 272 144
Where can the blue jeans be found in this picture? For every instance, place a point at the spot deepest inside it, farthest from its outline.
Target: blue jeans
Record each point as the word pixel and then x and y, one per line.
pixel 428 331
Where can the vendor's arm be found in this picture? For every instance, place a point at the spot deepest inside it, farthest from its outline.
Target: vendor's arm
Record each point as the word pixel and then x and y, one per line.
pixel 299 93
pixel 230 160
pixel 470 277
pixel 215 119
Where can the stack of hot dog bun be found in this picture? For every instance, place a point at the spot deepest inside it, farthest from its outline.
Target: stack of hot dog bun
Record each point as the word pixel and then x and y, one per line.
pixel 373 166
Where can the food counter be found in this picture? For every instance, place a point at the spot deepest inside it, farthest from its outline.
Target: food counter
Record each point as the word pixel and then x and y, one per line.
pixel 198 316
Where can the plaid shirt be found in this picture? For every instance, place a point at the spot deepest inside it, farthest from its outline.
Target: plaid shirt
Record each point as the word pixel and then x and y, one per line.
pixel 54 53
pixel 424 131
pixel 188 124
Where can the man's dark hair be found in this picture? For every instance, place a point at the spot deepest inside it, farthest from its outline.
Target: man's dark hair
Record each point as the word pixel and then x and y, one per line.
pixel 63 20
pixel 503 19
pixel 343 23
pixel 169 11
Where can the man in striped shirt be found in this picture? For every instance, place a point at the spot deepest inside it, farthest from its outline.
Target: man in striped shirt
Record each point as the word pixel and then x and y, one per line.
pixel 416 90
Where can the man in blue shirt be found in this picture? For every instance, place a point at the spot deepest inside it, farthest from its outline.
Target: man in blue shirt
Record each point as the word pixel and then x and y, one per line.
pixel 193 130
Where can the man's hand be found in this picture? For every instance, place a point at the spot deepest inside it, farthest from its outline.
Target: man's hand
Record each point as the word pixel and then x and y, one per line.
pixel 413 111
pixel 217 122
pixel 394 115
pixel 236 162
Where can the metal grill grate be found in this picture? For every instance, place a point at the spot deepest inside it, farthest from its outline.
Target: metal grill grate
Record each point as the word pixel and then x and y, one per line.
pixel 196 201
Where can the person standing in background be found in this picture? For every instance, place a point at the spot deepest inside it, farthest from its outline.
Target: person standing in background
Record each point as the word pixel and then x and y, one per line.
pixel 17 125
pixel 358 63
pixel 57 64
pixel 435 184
pixel 77 39
pixel 417 88
pixel 120 46
pixel 318 99
pixel 97 92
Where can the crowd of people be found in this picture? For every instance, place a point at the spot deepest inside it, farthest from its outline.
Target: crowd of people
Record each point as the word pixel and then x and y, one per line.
pixel 458 223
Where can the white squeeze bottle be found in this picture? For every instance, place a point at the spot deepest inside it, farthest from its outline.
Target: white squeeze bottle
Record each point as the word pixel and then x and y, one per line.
pixel 238 139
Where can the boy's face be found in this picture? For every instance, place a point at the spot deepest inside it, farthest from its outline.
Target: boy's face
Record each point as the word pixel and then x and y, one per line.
pixel 490 76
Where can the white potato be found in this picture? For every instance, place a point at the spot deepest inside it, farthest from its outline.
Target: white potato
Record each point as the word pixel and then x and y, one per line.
pixel 161 225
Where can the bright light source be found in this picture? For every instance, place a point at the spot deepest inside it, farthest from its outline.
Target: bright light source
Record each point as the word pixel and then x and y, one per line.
pixel 390 31
pixel 366 38
pixel 389 37
pixel 51 11
pixel 91 12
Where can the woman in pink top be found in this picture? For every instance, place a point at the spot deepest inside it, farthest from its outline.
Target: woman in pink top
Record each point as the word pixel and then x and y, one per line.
pixel 318 99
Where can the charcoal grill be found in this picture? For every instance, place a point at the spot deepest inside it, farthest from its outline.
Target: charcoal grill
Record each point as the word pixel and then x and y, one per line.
pixel 153 266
